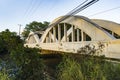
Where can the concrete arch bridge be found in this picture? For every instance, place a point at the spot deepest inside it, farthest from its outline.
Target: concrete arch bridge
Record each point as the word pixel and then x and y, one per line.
pixel 75 32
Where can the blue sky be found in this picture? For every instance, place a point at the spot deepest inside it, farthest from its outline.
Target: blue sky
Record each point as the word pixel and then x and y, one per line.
pixel 14 12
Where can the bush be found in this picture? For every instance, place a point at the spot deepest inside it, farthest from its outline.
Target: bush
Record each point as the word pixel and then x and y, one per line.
pixel 69 69
pixel 7 71
pixel 30 64
pixel 91 69
pixel 4 75
pixel 9 41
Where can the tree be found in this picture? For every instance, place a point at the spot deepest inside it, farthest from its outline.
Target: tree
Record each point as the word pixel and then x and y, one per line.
pixel 19 62
pixel 8 41
pixel 34 26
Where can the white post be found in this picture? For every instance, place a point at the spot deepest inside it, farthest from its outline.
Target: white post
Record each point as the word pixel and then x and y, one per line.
pixel 78 35
pixel 46 39
pixel 54 32
pixel 59 33
pixel 112 33
pixel 68 39
pixel 49 38
pixel 65 32
pixel 82 35
pixel 73 33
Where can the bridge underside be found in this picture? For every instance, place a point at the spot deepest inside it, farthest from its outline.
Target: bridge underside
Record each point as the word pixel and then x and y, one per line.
pixel 75 33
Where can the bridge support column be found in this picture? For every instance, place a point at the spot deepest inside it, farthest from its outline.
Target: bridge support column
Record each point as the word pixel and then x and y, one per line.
pixel 49 37
pixel 46 39
pixel 59 33
pixel 73 33
pixel 78 34
pixel 54 33
pixel 82 35
pixel 112 33
pixel 65 32
pixel 36 38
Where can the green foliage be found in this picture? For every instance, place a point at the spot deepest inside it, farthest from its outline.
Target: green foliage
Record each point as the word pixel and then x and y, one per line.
pixel 22 63
pixel 30 64
pixel 91 68
pixel 69 69
pixel 34 26
pixel 3 48
pixel 111 70
pixel 25 63
pixel 7 70
pixel 4 75
pixel 8 41
pixel 88 66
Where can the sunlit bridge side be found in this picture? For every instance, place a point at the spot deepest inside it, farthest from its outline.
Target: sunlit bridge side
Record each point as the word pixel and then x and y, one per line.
pixel 75 32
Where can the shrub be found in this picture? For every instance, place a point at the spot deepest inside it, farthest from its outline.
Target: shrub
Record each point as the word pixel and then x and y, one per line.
pixel 69 69
pixel 30 64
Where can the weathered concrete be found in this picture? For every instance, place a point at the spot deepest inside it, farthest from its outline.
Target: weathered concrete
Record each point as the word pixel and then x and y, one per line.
pixel 76 32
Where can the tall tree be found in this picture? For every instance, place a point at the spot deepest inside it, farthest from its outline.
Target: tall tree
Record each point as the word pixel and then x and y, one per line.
pixel 34 26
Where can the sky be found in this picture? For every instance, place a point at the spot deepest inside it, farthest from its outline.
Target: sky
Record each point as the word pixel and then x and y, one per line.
pixel 15 12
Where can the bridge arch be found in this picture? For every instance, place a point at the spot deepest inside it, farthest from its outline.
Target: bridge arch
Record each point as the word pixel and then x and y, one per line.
pixel 111 27
pixel 82 26
pixel 75 32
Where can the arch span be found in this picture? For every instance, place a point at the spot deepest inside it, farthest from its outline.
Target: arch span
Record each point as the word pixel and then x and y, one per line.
pixel 76 32
pixel 84 24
